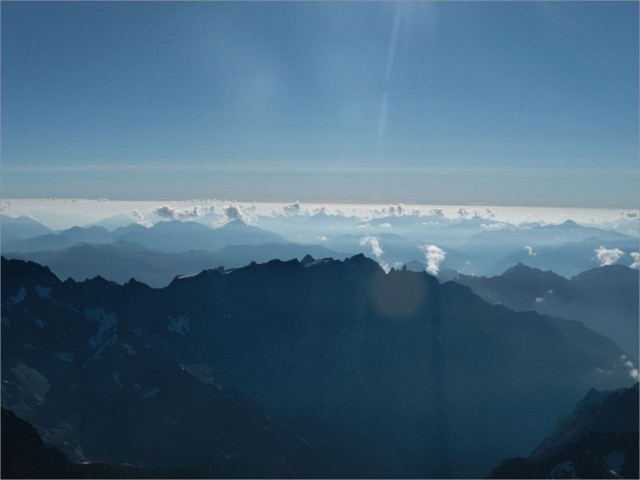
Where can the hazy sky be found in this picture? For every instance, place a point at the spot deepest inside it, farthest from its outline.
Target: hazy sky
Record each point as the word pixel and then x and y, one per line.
pixel 459 103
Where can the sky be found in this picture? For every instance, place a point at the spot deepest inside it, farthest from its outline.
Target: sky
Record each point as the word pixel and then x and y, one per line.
pixel 505 103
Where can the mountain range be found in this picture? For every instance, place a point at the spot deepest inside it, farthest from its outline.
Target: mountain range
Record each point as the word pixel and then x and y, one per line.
pixel 475 245
pixel 170 236
pixel 123 260
pixel 603 298
pixel 312 368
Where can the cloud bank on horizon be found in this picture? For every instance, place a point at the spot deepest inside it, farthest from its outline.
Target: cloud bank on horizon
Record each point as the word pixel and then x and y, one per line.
pixel 60 213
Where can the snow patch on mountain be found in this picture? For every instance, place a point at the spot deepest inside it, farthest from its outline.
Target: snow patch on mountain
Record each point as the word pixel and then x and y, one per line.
pixel 130 350
pixel 563 470
pixel 110 341
pixel 116 379
pixel 44 292
pixel 151 393
pixel 106 322
pixel 614 462
pixel 18 297
pixel 65 357
pixel 179 325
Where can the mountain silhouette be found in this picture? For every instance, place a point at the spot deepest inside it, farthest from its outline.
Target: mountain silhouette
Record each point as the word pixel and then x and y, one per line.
pixel 320 368
pixel 123 260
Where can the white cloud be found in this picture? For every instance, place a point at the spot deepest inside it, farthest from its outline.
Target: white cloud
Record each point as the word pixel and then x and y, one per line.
pixel 385 225
pixel 530 251
pixel 633 371
pixel 463 212
pixel 140 218
pixel 493 226
pixel 5 209
pixel 630 214
pixel 434 256
pixel 393 211
pixel 486 213
pixel 323 238
pixel 376 250
pixel 605 256
pixel 540 300
pixel 233 212
pixel 375 245
pixel 292 208
pixel 636 259
pixel 166 211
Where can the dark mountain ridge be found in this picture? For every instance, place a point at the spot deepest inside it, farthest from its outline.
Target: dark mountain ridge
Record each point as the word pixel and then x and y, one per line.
pixel 291 369
pixel 123 260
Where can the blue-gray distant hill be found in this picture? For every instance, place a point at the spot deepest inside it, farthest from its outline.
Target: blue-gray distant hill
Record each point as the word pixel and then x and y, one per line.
pixel 124 260
pixel 172 237
pixel 568 259
pixel 603 298
pixel 184 236
pixel 567 248
pixel 18 228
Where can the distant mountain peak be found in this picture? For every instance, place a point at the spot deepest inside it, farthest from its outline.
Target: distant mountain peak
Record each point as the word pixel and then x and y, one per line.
pixel 520 268
pixel 237 222
pixel 91 228
pixel 308 259
pixel 27 270
pixel 570 223
pixel 524 269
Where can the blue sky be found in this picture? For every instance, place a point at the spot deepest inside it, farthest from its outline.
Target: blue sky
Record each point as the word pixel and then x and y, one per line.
pixel 517 103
